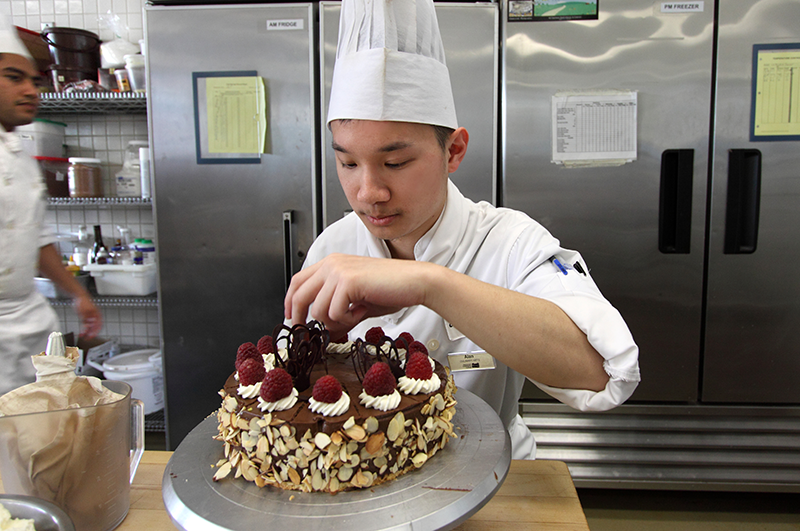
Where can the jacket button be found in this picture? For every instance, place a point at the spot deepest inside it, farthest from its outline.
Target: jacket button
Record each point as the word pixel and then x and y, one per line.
pixel 433 345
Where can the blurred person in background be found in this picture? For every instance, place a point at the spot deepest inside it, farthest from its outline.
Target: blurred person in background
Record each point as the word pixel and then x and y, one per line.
pixel 26 246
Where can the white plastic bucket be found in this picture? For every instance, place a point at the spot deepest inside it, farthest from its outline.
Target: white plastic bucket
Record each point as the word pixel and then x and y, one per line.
pixel 141 369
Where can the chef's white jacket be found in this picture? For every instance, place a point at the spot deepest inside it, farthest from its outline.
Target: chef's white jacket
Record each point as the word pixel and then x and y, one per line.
pixel 26 318
pixel 505 248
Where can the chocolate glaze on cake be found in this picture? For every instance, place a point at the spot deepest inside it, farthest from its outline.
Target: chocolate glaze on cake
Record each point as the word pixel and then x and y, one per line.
pixel 301 450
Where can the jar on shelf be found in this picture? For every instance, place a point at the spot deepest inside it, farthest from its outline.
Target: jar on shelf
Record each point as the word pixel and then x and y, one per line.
pixel 85 178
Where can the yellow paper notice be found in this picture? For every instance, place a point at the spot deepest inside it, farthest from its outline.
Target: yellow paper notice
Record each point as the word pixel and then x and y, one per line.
pixel 237 119
pixel 777 108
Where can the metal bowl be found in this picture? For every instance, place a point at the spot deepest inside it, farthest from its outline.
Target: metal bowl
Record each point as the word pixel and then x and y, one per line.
pixel 46 515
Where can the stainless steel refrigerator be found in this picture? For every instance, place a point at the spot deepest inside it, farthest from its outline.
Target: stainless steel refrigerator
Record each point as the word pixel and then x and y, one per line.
pixel 689 230
pixel 232 227
pixel 229 227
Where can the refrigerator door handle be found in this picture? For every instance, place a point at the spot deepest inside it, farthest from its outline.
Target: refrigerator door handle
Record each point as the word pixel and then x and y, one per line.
pixel 675 201
pixel 288 218
pixel 743 201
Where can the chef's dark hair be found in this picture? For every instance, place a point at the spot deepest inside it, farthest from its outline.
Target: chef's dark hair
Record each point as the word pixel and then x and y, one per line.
pixel 441 132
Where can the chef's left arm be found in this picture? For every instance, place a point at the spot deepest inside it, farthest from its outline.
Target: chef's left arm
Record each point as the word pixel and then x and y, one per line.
pixel 555 327
pixel 50 266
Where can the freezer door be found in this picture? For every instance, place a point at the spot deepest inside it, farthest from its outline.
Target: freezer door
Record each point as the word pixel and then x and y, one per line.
pixel 640 229
pixel 226 231
pixel 752 354
pixel 470 37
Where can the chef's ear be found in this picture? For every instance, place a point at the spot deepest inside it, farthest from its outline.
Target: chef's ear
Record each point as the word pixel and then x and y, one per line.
pixel 456 148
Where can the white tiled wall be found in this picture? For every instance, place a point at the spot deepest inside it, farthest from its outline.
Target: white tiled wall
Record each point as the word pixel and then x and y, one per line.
pixel 82 14
pixel 99 136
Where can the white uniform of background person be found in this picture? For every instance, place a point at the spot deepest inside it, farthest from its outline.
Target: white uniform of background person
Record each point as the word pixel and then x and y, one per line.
pixel 26 318
pixel 390 67
pixel 505 248
pixel 26 247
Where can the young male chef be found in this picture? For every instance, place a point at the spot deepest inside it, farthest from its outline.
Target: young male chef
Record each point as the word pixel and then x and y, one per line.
pixel 26 319
pixel 415 255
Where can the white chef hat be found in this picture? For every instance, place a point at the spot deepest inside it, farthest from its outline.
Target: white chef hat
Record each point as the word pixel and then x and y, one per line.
pixel 390 64
pixel 9 39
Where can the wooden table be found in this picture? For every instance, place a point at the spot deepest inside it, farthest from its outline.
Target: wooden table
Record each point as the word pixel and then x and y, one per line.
pixel 535 495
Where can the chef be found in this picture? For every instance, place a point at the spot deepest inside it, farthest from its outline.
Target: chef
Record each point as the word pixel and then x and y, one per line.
pixel 491 293
pixel 26 318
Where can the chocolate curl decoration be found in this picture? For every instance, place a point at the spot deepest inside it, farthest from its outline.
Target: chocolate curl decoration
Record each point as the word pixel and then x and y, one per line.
pixel 363 359
pixel 305 347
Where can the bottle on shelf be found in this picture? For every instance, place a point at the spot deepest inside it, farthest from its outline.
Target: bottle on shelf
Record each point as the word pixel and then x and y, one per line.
pixel 80 254
pixel 129 178
pixel 99 254
pixel 148 250
pixel 122 250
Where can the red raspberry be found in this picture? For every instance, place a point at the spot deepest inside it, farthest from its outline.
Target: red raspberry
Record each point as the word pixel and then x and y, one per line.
pixel 251 371
pixel 265 345
pixel 407 338
pixel 379 380
pixel 327 389
pixel 418 366
pixel 277 384
pixel 417 346
pixel 374 335
pixel 246 351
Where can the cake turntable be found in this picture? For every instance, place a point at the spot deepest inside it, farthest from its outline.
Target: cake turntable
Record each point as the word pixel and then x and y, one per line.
pixel 449 489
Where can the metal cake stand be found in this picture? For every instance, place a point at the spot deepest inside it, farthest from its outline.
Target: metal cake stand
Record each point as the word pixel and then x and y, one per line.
pixel 450 488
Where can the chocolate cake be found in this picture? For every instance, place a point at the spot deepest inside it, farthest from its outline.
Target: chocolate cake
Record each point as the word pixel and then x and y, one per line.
pixel 272 437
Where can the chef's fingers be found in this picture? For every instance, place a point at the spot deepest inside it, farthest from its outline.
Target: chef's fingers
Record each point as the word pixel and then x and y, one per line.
pixel 320 307
pixel 300 295
pixel 90 328
pixel 90 316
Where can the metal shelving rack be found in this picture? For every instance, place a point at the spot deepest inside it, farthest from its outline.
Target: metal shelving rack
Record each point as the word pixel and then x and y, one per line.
pixel 93 103
pixel 104 103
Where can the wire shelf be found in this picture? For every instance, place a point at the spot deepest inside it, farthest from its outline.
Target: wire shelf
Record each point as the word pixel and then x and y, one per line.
pixel 93 103
pixel 109 301
pixel 155 422
pixel 99 201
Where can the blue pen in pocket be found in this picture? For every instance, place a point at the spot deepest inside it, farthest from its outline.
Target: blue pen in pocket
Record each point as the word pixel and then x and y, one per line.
pixel 559 265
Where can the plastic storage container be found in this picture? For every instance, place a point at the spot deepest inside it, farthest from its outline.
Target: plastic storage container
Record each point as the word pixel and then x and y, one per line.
pixel 134 64
pixel 129 179
pixel 85 179
pixel 55 171
pixel 112 279
pixel 147 248
pixel 49 289
pixel 123 81
pixel 43 138
pixel 141 369
pixel 144 172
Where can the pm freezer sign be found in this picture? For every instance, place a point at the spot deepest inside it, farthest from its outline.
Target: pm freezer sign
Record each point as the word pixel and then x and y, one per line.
pixel 682 7
pixel 288 24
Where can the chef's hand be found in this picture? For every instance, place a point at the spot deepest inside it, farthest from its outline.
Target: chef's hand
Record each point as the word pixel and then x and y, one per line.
pixel 343 290
pixel 90 316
